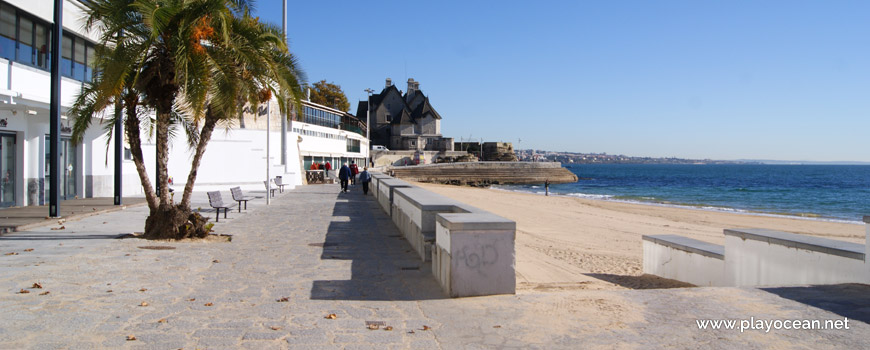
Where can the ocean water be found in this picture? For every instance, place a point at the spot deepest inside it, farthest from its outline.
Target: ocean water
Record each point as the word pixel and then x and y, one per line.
pixel 833 192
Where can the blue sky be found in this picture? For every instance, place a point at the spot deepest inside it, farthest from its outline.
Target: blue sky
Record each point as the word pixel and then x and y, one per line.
pixel 786 80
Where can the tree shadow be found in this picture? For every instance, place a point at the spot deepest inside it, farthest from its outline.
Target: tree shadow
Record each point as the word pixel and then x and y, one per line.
pixel 850 300
pixel 383 265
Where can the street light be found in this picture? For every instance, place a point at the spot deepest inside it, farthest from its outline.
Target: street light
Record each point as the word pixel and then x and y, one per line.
pixel 368 127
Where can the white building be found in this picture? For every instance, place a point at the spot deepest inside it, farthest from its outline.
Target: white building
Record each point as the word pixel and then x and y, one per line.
pixel 235 156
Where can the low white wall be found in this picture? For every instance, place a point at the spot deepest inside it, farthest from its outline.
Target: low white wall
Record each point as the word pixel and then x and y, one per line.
pixel 474 254
pixel 753 262
pixel 681 265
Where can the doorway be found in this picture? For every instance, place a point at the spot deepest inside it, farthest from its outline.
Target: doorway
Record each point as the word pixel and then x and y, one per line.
pixel 7 170
pixel 68 168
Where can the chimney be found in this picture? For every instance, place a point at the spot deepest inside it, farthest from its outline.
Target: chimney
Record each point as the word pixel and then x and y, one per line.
pixel 389 83
pixel 412 88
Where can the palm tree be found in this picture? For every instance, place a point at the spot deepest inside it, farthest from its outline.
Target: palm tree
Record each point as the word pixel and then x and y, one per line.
pixel 188 62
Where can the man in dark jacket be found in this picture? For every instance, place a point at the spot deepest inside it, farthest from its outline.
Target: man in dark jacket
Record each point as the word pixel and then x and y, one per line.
pixel 343 176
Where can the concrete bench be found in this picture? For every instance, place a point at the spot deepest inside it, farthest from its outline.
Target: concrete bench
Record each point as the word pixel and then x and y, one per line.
pixel 684 259
pixel 385 193
pixel 474 254
pixel 376 179
pixel 414 212
pixel 760 257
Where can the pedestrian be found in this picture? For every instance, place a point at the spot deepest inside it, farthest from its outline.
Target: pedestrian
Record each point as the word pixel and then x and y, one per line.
pixel 327 167
pixel 547 187
pixel 354 170
pixel 365 178
pixel 343 176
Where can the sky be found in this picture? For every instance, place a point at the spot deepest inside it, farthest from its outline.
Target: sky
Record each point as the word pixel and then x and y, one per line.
pixel 785 80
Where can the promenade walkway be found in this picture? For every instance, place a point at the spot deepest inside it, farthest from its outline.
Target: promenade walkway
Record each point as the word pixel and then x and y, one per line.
pixel 315 252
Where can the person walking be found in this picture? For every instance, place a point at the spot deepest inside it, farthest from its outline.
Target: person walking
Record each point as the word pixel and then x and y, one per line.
pixel 365 178
pixel 354 170
pixel 327 167
pixel 343 176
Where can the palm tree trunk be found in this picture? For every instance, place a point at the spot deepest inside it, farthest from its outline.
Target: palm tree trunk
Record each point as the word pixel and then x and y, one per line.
pixel 162 143
pixel 204 137
pixel 131 128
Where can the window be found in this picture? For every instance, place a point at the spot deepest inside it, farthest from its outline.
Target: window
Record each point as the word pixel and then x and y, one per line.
pixel 7 32
pixel 25 40
pixel 79 61
pixel 43 35
pixel 66 52
pixel 89 67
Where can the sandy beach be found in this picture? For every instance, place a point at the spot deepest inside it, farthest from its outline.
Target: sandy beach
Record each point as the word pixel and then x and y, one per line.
pixel 574 243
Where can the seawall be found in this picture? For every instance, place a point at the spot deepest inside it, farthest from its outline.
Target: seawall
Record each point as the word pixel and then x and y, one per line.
pixel 486 173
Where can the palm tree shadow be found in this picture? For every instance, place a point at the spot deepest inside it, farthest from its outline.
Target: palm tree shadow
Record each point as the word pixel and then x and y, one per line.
pixel 383 265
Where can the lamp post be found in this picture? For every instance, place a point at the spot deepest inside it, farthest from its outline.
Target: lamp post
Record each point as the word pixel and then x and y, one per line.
pixel 369 91
pixel 268 180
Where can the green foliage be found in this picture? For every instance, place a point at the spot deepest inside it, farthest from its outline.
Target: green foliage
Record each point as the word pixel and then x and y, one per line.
pixel 330 95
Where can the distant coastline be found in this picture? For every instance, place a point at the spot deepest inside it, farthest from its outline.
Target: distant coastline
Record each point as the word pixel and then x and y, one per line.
pixel 529 155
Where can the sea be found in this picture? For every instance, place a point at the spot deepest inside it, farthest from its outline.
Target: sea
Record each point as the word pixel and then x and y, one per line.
pixel 822 192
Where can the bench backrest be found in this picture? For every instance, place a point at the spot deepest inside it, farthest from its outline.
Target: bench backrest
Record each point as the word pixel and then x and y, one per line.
pixel 279 180
pixel 237 193
pixel 215 200
pixel 266 184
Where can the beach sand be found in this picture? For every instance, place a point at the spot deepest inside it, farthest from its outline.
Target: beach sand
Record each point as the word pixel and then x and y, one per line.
pixel 568 243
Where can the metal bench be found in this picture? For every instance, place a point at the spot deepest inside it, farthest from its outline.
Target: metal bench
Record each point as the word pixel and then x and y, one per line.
pixel 279 181
pixel 240 197
pixel 215 201
pixel 269 188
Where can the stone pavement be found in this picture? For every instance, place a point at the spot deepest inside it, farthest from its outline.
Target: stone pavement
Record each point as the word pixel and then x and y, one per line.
pixel 316 252
pixel 24 218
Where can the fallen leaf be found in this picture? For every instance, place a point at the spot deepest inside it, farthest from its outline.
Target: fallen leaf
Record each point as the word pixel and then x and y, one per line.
pixel 23 291
pixel 388 328
pixel 411 332
pixel 373 327
pixel 59 228
pixel 37 285
pixel 28 250
pixel 162 320
pixel 496 326
pixel 44 293
pixel 191 299
pixel 105 222
pixel 143 304
pixel 426 328
pixel 331 316
pixel 131 337
pixel 143 289
pixel 283 300
pixel 215 261
pixel 12 253
pixel 61 221
pixel 126 254
pixel 275 328
pixel 109 291
pixel 209 304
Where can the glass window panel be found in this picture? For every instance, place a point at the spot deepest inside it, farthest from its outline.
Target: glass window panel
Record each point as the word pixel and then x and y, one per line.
pixel 80 51
pixel 7 33
pixel 25 39
pixel 7 22
pixel 66 50
pixel 25 31
pixel 42 45
pixel 66 56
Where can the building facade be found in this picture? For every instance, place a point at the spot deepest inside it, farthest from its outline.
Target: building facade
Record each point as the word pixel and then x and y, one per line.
pixel 235 156
pixel 404 121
